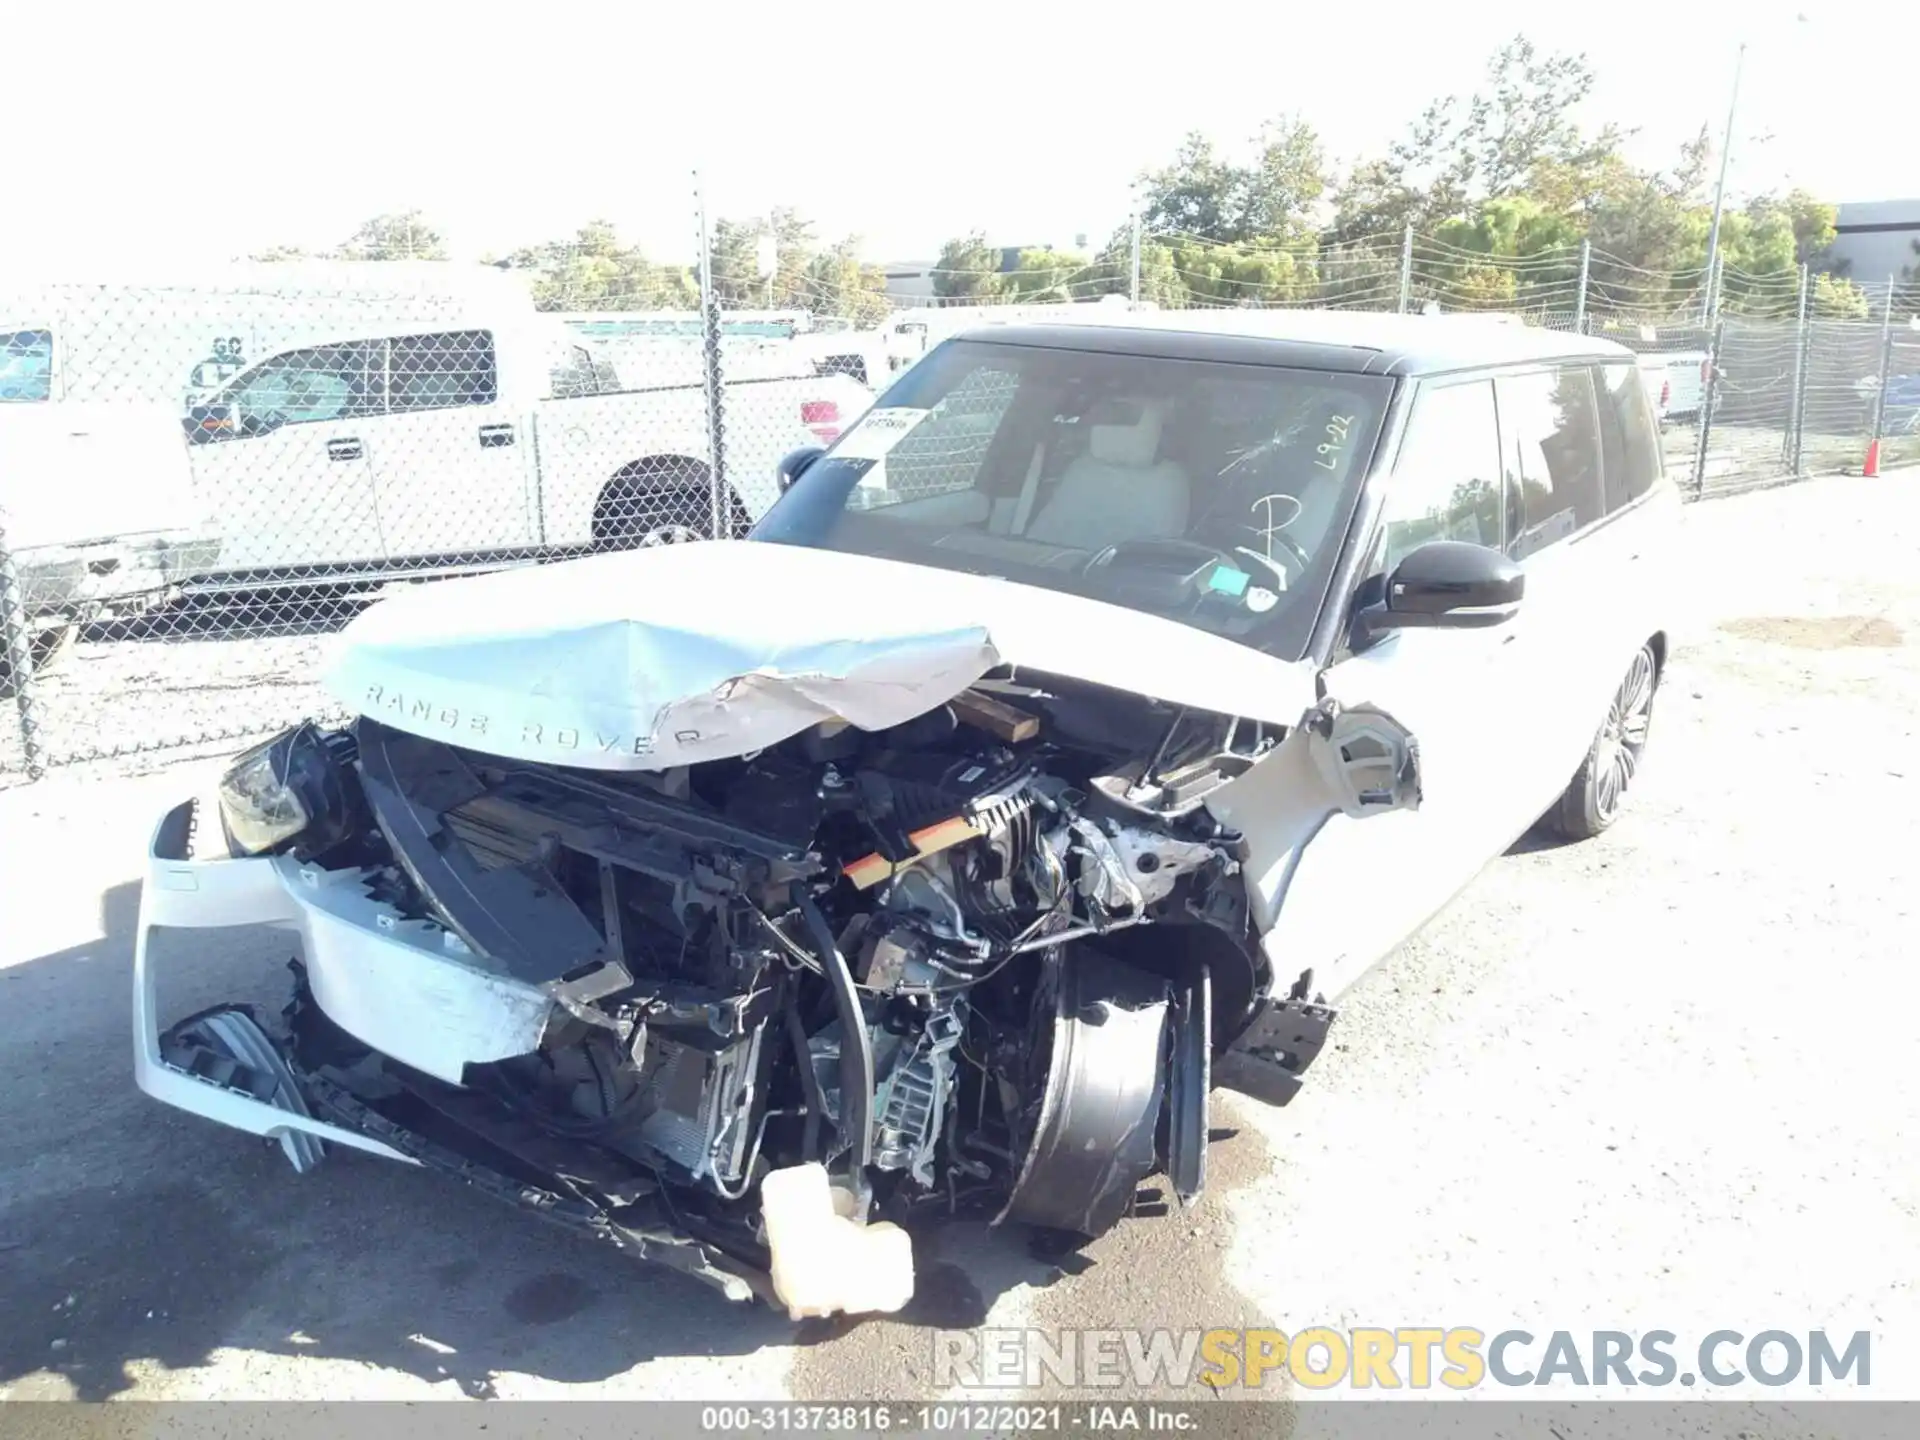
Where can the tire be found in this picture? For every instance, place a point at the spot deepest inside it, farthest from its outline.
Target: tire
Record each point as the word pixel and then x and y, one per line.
pixel 659 502
pixel 1594 799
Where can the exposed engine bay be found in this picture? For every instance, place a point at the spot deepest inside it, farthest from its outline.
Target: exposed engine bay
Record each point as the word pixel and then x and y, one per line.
pixel 984 961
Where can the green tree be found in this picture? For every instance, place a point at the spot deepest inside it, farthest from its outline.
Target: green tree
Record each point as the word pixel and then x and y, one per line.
pixel 1274 198
pixel 968 269
pixel 1049 275
pixel 407 235
pixel 1486 146
pixel 1836 298
pixel 594 271
pixel 840 283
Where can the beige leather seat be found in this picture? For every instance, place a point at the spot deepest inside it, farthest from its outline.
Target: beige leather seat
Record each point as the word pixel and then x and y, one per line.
pixel 1120 489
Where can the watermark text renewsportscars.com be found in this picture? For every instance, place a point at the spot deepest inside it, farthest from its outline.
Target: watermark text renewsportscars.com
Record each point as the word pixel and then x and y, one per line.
pixel 1397 1358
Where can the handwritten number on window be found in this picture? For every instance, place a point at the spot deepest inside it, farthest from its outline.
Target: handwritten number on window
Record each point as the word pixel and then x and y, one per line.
pixel 1330 449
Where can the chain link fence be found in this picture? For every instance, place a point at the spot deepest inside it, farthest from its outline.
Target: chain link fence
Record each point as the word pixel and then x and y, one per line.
pixel 202 481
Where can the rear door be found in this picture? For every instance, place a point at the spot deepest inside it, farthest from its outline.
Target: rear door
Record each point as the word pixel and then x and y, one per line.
pixel 1551 455
pixel 449 460
pixel 1643 512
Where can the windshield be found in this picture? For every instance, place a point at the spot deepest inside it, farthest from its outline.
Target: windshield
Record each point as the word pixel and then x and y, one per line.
pixel 26 365
pixel 1215 494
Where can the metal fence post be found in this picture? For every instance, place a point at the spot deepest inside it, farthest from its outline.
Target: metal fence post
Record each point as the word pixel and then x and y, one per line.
pixel 16 651
pixel 1802 355
pixel 1714 348
pixel 1886 361
pixel 1580 300
pixel 1133 287
pixel 1406 269
pixel 719 518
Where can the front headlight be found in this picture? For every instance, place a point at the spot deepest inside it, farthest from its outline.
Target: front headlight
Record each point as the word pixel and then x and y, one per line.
pixel 295 793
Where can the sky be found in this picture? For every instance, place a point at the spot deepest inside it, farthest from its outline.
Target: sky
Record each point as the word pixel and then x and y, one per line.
pixel 168 134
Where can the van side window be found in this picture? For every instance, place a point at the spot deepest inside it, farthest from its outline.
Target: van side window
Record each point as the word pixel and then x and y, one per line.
pixel 26 366
pixel 297 387
pixel 1552 452
pixel 1446 485
pixel 1629 440
pixel 438 372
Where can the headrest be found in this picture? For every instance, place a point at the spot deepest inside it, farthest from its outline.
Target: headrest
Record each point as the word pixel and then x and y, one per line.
pixel 1126 432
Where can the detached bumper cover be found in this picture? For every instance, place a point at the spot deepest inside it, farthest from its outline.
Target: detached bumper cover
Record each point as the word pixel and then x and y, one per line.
pixel 403 987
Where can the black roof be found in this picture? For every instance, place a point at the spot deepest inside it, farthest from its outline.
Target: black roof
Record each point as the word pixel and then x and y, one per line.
pixel 1353 341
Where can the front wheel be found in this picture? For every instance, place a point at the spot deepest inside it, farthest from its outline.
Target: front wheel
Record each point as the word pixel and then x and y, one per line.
pixel 1594 799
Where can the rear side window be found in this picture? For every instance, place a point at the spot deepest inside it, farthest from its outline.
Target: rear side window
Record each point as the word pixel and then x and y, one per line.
pixel 1550 432
pixel 435 372
pixel 1629 441
pixel 26 366
pixel 1446 485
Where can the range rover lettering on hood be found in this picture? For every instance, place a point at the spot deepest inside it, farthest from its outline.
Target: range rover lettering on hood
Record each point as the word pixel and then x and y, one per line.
pixel 649 659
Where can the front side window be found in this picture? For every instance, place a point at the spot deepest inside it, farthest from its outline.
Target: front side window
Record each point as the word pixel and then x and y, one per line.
pixel 303 387
pixel 26 366
pixel 1446 484
pixel 1552 453
pixel 1214 494
pixel 439 372
pixel 1629 438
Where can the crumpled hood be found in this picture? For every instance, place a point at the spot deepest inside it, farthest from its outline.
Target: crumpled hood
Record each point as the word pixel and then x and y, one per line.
pixel 653 658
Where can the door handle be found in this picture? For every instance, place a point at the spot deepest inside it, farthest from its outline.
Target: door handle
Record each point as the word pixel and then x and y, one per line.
pixel 492 436
pixel 347 448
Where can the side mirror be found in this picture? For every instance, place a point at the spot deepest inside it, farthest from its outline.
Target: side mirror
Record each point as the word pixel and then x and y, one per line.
pixel 1447 585
pixel 207 423
pixel 794 462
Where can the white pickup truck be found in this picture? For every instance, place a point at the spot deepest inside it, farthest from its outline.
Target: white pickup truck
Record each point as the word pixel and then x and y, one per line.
pixel 97 513
pixel 386 453
pixel 1676 382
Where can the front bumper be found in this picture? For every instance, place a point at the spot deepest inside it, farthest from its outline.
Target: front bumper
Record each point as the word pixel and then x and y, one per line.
pixel 404 987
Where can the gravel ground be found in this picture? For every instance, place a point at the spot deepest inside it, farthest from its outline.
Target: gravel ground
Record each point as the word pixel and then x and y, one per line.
pixel 1613 1086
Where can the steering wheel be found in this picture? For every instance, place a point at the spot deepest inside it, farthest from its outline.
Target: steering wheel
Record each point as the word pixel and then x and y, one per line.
pixel 1188 577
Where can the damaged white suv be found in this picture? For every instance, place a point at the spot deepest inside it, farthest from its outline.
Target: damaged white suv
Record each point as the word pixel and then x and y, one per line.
pixel 1061 745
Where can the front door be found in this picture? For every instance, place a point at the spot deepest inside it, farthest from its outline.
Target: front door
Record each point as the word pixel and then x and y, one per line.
pixel 281 464
pixel 1342 893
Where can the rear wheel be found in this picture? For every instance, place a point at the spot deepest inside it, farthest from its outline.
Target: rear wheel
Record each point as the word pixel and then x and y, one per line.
pixel 1599 789
pixel 660 502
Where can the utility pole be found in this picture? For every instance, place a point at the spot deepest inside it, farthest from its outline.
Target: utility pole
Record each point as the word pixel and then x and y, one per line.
pixel 1711 305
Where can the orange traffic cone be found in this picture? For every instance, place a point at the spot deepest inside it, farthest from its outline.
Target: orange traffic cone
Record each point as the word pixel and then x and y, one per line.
pixel 1872 467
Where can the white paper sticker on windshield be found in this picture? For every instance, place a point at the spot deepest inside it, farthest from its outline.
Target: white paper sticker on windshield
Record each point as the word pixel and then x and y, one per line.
pixel 878 432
